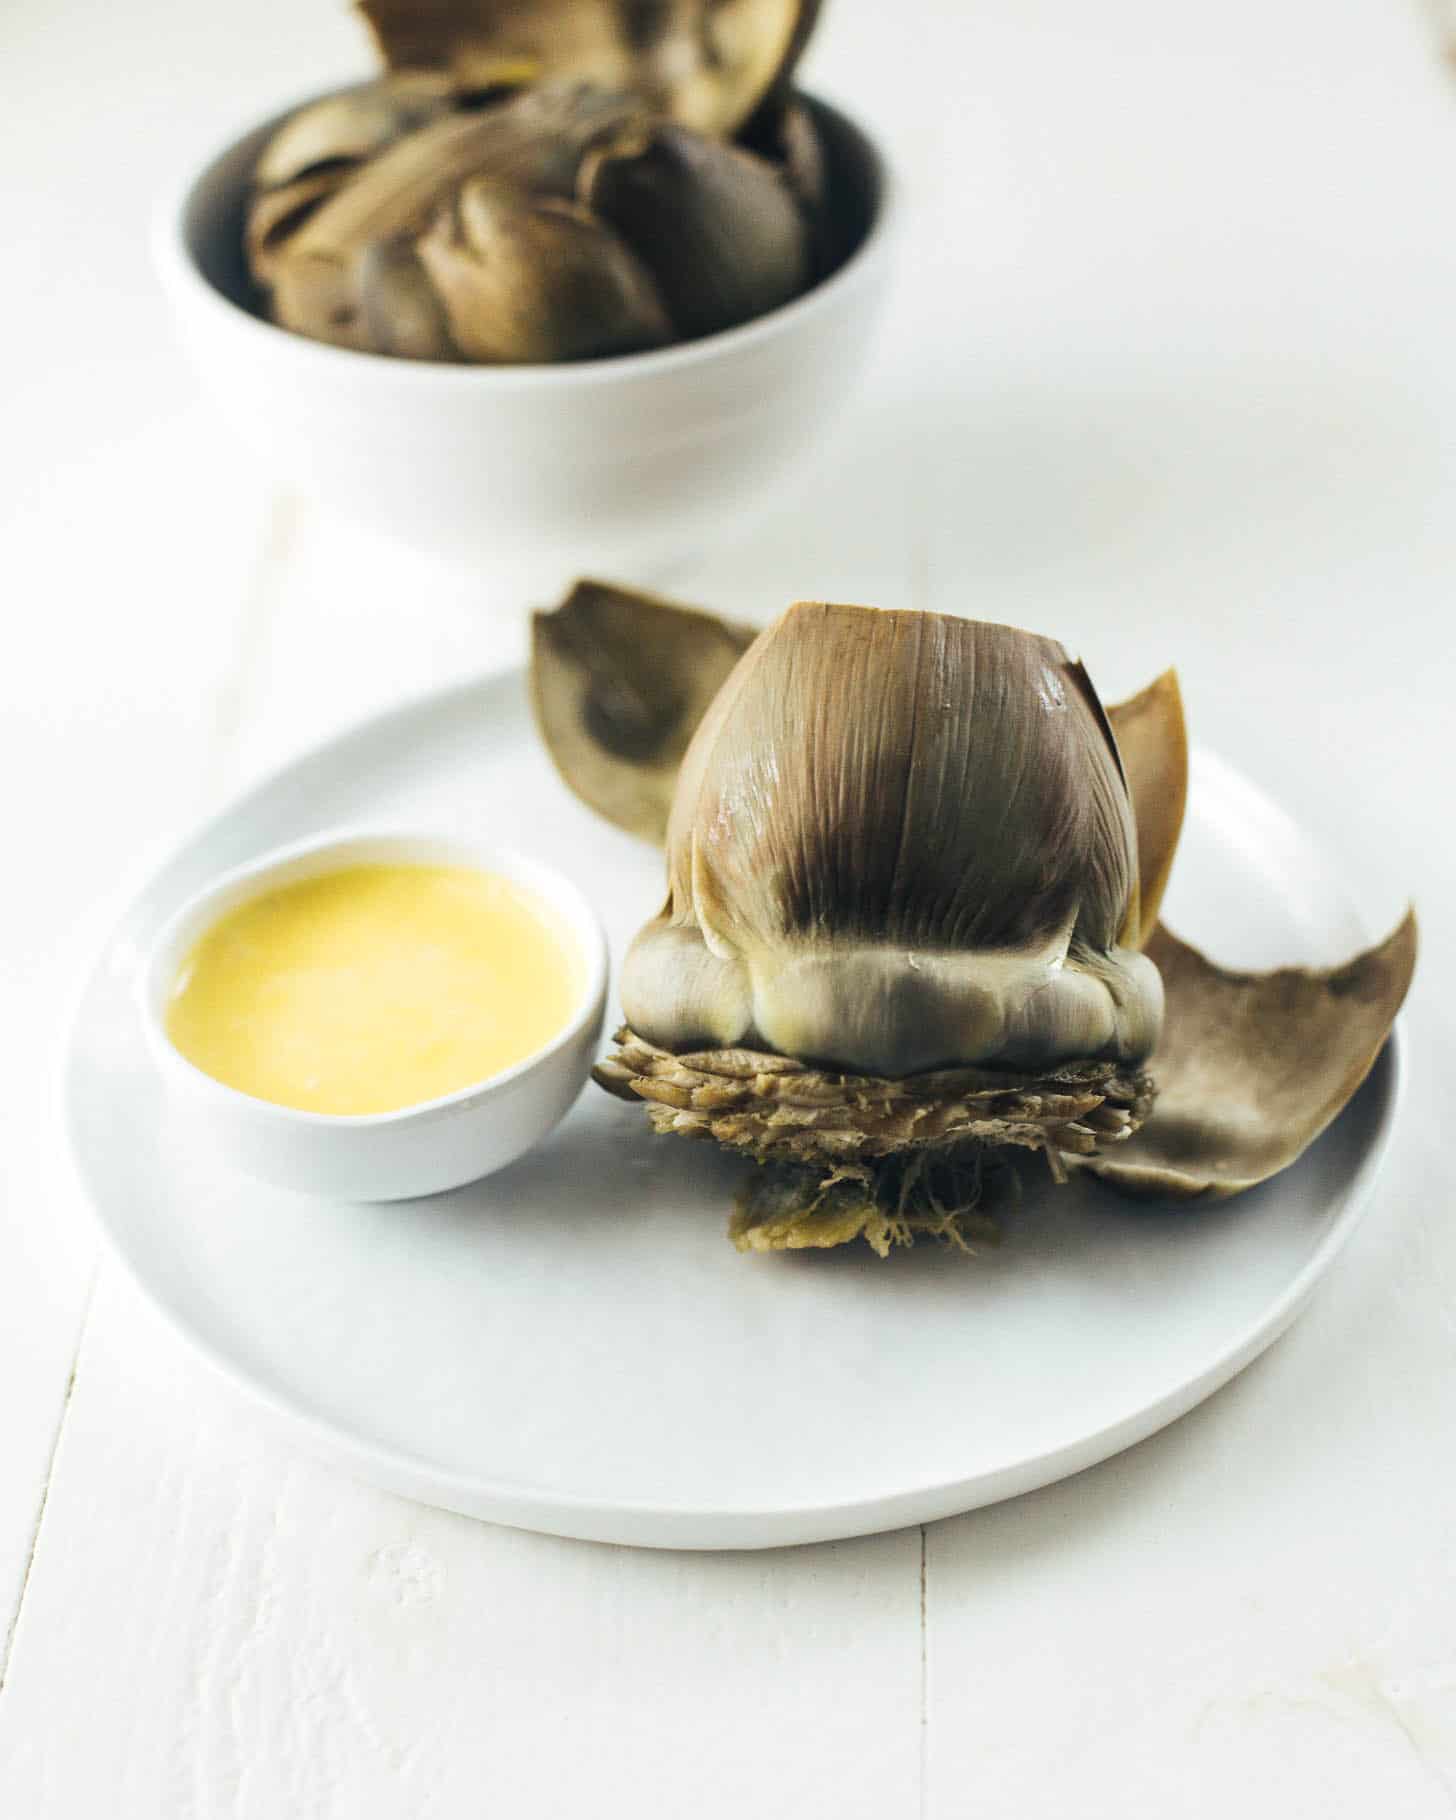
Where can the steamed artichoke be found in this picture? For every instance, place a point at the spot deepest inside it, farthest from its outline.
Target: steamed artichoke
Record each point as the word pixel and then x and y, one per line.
pixel 914 873
pixel 900 843
pixel 550 182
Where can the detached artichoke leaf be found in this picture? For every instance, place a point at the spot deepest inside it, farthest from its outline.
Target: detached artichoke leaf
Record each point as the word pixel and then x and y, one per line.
pixel 352 125
pixel 324 277
pixel 276 215
pixel 619 682
pixel 783 131
pixel 1252 1067
pixel 321 147
pixel 718 227
pixel 537 280
pixel 1152 738
pixel 401 311
pixel 708 62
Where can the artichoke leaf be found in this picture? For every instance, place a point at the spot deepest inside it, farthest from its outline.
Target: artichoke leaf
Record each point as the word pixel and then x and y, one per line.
pixel 532 144
pixel 351 125
pixel 718 227
pixel 1153 741
pixel 275 215
pixel 784 131
pixel 709 63
pixel 321 147
pixel 1251 1067
pixel 619 682
pixel 402 313
pixel 537 280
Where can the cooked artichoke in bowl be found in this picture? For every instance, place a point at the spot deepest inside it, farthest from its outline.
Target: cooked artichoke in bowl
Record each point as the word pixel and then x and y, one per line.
pixel 911 926
pixel 566 180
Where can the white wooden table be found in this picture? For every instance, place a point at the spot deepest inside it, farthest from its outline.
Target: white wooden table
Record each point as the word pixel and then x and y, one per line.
pixel 1172 375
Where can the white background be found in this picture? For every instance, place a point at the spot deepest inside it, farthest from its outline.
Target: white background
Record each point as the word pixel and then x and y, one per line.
pixel 1170 374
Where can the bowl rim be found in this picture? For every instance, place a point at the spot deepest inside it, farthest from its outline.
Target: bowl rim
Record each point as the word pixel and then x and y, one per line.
pixel 179 272
pixel 250 879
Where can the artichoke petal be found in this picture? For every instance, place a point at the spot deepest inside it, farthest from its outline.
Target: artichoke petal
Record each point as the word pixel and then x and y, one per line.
pixel 321 147
pixel 403 314
pixel 352 125
pixel 537 280
pixel 1252 1067
pixel 717 226
pixel 276 215
pixel 1152 738
pixel 318 295
pixel 380 301
pixel 784 131
pixel 324 277
pixel 619 682
pixel 709 62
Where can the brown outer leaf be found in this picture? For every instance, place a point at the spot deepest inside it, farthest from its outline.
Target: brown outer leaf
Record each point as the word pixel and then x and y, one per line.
pixel 786 132
pixel 535 143
pixel 275 215
pixel 717 227
pixel 522 279
pixel 710 62
pixel 1252 1067
pixel 401 310
pixel 619 682
pixel 909 777
pixel 1153 740
pixel 350 125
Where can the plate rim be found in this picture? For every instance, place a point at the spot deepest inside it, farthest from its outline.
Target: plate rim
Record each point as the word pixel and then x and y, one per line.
pixel 653 1522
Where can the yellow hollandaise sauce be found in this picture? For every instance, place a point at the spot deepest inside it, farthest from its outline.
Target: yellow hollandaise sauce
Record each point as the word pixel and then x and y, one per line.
pixel 375 987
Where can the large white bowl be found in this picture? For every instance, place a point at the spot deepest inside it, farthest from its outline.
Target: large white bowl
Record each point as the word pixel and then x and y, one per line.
pixel 380 1156
pixel 626 465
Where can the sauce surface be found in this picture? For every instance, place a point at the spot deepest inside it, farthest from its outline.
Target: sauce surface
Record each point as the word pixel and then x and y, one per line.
pixel 375 987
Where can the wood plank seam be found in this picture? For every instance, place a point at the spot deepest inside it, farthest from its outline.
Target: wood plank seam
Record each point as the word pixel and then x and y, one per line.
pixel 265 590
pixel 924 1744
pixel 50 1472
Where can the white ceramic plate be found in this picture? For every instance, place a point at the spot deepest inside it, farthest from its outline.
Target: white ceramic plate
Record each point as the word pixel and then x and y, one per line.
pixel 574 1346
